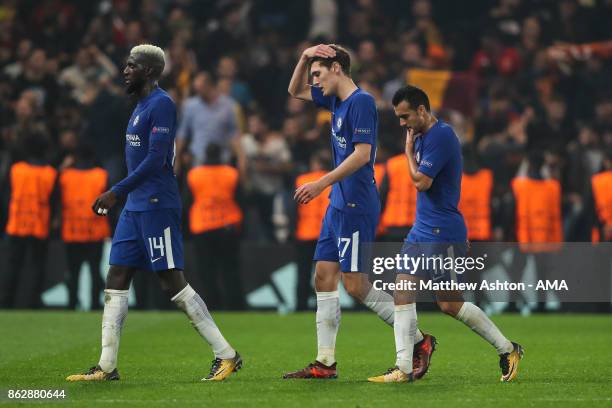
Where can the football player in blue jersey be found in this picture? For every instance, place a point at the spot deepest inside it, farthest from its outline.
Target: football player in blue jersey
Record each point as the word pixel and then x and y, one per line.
pixel 148 234
pixel 435 164
pixel 353 213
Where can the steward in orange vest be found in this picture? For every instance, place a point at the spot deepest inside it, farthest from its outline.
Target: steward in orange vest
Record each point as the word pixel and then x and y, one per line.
pixel 215 220
pixel 538 214
pixel 213 188
pixel 310 216
pixel 32 183
pixel 308 225
pixel 399 195
pixel 83 233
pixel 538 223
pixel 475 204
pixel 601 184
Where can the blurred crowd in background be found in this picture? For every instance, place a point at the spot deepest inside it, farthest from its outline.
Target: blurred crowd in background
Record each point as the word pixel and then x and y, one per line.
pixel 515 78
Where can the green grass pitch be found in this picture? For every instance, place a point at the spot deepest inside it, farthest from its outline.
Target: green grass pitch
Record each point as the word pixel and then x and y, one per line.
pixel 568 362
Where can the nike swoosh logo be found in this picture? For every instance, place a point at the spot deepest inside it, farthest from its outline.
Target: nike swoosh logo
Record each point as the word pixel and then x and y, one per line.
pixel 341 259
pixel 156 259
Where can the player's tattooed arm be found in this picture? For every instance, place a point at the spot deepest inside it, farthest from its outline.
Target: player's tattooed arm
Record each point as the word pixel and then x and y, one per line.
pixel 421 181
pixel 359 158
pixel 298 86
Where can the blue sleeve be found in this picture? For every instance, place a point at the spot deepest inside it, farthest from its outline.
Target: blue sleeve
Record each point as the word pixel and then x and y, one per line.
pixel 319 99
pixel 436 153
pixel 161 140
pixel 363 119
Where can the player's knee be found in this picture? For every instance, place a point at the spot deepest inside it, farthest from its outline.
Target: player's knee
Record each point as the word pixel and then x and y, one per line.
pixel 322 282
pixel 326 280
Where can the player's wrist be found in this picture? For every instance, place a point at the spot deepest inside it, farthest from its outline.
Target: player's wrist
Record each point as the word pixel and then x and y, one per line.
pixel 323 182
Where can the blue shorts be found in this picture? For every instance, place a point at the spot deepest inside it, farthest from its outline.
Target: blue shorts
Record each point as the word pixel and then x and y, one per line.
pixel 148 240
pixel 440 261
pixel 341 235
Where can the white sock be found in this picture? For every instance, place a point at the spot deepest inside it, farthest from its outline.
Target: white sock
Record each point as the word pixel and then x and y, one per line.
pixel 477 320
pixel 328 321
pixel 115 311
pixel 381 303
pixel 405 328
pixel 195 308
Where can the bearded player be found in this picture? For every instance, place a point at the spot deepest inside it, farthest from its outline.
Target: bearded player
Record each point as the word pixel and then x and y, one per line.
pixel 148 235
pixel 435 164
pixel 353 214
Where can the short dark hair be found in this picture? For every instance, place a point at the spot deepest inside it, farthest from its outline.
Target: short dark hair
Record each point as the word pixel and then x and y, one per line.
pixel 342 57
pixel 413 95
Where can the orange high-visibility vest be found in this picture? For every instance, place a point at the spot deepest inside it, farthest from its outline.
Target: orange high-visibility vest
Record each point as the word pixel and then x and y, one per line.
pixel 379 173
pixel 214 204
pixel 602 193
pixel 538 214
pixel 29 209
pixel 475 204
pixel 400 208
pixel 310 216
pixel 80 188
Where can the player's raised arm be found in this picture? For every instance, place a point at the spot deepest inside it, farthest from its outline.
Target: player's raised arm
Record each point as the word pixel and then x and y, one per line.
pixel 298 86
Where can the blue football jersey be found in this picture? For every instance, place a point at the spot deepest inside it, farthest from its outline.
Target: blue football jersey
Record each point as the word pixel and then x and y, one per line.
pixel 149 155
pixel 354 120
pixel 438 155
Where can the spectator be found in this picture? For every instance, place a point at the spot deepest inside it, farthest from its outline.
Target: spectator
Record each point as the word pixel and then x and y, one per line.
pixel 31 185
pixel 91 65
pixel 240 91
pixel 80 183
pixel 308 226
pixel 268 163
pixel 35 78
pixel 207 117
pixel 215 220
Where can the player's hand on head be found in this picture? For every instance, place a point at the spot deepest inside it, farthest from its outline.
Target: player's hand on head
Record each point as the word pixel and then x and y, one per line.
pixel 307 192
pixel 321 50
pixel 104 203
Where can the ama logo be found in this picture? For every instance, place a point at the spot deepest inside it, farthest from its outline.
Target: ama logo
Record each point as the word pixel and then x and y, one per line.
pixel 339 123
